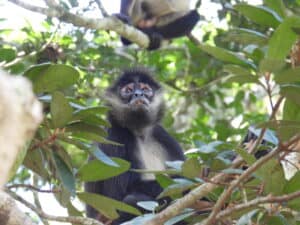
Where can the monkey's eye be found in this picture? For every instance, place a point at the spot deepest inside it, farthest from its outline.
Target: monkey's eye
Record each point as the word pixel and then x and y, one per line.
pixel 127 90
pixel 146 89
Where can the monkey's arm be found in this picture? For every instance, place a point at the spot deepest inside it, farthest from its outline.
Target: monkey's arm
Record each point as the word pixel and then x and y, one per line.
pixel 115 187
pixel 125 4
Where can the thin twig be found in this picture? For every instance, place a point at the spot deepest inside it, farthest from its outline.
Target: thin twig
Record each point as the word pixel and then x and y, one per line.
pixel 31 187
pixel 37 199
pixel 102 9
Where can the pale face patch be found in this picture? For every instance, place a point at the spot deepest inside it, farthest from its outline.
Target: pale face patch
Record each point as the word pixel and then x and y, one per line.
pixel 120 110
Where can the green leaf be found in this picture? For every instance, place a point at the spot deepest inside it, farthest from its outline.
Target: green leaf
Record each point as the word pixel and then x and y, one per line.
pixel 92 115
pixel 283 38
pixel 177 188
pixel 61 111
pixel 87 136
pixel 148 205
pixel 96 170
pixel 268 136
pixel 51 77
pixel 239 75
pixel 250 159
pixel 277 6
pixel 174 165
pixel 35 161
pixel 226 56
pixel 100 155
pixel 246 36
pixel 210 147
pixel 65 174
pixel 291 92
pixel 288 76
pixel 62 195
pixel 142 219
pixel 7 54
pixel 259 14
pixel 291 111
pixel 89 132
pixel 241 79
pixel 271 65
pixel 236 70
pixel 79 127
pixel 291 186
pixel 191 168
pixel 176 219
pixel 246 218
pixel 284 129
pixel 73 211
pixel 274 220
pixel 163 180
pixel 273 176
pixel 106 206
pixel 86 112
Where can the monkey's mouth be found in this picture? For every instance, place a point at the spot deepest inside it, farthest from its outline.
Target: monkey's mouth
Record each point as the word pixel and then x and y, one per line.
pixel 139 103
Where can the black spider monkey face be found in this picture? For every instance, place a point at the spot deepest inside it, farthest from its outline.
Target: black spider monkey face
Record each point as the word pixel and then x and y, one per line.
pixel 137 94
pixel 135 99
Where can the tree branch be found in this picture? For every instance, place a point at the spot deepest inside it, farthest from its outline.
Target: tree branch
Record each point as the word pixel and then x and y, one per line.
pixel 256 202
pixel 10 214
pixel 222 199
pixel 20 115
pixel 69 219
pixel 109 23
pixel 235 183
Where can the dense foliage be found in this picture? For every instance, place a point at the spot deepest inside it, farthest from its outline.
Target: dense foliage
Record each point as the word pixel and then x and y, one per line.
pixel 215 90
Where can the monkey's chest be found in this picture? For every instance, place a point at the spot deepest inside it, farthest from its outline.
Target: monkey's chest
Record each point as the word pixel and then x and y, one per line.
pixel 151 156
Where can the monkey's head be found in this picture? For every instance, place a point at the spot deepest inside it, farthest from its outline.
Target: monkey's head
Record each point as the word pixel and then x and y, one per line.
pixel 135 99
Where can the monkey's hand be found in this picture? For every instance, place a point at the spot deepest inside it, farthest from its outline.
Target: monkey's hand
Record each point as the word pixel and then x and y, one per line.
pixel 154 37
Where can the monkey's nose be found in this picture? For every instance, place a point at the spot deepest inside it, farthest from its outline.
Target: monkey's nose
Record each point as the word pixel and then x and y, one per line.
pixel 138 93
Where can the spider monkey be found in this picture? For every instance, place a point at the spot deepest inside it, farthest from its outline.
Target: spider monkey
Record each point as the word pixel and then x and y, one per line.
pixel 159 19
pixel 136 108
